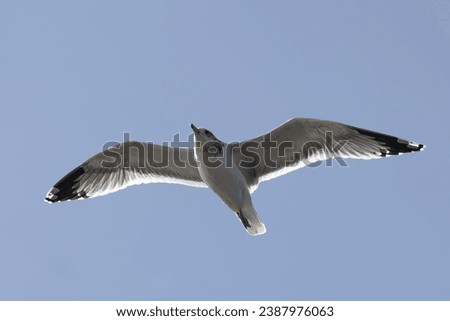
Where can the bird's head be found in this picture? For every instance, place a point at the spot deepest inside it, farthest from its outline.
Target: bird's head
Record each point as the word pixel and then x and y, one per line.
pixel 203 135
pixel 206 143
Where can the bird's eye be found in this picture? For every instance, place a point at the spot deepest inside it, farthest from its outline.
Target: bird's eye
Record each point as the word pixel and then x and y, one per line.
pixel 213 148
pixel 217 148
pixel 207 133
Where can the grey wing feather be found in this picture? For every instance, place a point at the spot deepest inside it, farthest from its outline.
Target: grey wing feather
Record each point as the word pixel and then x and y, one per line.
pixel 300 142
pixel 126 164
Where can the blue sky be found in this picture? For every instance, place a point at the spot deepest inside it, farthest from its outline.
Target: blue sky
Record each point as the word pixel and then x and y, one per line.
pixel 77 74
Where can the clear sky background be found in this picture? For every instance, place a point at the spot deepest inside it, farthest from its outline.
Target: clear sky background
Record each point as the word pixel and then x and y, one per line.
pixel 77 74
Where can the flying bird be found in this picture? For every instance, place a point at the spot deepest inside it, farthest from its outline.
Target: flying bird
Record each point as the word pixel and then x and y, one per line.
pixel 233 171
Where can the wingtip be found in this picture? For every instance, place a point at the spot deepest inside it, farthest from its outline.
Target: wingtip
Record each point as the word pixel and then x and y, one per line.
pixel 51 197
pixel 390 145
pixel 67 188
pixel 416 147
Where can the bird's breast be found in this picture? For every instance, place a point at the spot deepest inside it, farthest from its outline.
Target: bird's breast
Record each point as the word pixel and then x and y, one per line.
pixel 226 180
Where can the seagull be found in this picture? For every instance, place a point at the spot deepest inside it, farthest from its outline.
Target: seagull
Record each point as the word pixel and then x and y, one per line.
pixel 233 171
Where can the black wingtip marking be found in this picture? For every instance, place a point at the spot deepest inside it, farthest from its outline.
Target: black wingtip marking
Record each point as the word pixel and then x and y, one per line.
pixel 243 220
pixel 392 145
pixel 66 188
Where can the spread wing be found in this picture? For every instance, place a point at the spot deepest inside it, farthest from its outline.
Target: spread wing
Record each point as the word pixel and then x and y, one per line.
pixel 126 164
pixel 301 142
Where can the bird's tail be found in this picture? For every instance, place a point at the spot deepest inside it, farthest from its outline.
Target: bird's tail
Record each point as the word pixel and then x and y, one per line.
pixel 250 219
